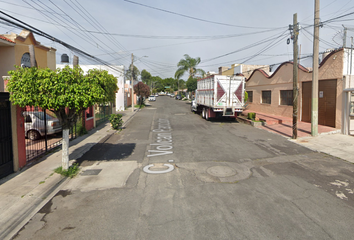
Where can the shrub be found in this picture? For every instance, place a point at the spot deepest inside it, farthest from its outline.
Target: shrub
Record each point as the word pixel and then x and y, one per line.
pixel 251 115
pixel 81 130
pixel 71 172
pixel 116 121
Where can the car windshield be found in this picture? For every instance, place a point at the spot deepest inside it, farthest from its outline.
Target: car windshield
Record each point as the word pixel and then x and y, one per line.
pixel 40 115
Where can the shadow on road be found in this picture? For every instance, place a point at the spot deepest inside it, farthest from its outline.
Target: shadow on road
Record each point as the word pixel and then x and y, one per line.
pixel 105 152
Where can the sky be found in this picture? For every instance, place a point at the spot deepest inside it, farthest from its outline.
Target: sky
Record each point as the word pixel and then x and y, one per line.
pixel 160 32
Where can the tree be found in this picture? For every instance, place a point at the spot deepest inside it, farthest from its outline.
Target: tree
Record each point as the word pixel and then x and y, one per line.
pixel 189 65
pixel 191 84
pixel 146 77
pixel 66 92
pixel 142 90
pixel 136 73
pixel 181 84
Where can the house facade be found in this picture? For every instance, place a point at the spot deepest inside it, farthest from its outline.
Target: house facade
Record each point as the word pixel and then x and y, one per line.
pixel 272 94
pixel 14 50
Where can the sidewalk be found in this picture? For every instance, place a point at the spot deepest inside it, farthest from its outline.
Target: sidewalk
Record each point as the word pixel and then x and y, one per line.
pixel 24 193
pixel 329 140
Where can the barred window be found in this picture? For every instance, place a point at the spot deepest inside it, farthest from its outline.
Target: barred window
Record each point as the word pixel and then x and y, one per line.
pixel 267 97
pixel 286 97
pixel 250 96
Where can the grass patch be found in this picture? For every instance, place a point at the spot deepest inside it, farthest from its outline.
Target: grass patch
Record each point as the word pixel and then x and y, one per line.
pixel 71 172
pixel 41 182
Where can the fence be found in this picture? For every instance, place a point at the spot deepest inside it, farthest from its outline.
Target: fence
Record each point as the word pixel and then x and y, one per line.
pixel 42 131
pixel 102 113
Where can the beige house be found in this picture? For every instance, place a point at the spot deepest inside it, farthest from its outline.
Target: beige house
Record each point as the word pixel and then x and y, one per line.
pixel 14 50
pixel 244 69
pixel 273 94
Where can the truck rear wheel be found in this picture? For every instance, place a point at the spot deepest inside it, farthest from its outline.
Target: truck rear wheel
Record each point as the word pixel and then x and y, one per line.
pixel 203 113
pixel 207 115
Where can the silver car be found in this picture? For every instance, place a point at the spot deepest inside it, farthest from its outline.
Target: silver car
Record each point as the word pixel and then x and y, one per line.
pixel 35 125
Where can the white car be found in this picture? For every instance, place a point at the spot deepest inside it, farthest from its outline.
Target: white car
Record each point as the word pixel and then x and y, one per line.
pixel 35 125
pixel 152 98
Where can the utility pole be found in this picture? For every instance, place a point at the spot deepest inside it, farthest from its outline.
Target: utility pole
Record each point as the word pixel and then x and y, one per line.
pixel 32 55
pixel 295 77
pixel 132 82
pixel 345 37
pixel 314 105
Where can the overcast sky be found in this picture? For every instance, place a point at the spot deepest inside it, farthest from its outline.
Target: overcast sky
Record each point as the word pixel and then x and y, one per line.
pixel 160 32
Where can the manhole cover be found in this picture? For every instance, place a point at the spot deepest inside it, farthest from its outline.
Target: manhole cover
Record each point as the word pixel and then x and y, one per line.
pixel 221 171
pixel 91 172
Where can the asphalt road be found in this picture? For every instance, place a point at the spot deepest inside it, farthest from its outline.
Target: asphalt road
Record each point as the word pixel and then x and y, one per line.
pixel 226 180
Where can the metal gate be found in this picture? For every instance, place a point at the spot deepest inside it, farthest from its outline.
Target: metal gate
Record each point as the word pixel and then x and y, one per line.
pixel 6 155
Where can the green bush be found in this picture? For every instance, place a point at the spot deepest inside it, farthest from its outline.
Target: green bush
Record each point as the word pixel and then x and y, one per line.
pixel 251 115
pixel 81 130
pixel 71 172
pixel 116 121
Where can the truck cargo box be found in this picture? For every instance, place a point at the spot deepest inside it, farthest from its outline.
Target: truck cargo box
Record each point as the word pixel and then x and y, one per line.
pixel 220 95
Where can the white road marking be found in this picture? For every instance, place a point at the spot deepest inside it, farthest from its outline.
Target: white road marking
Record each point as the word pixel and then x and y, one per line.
pixel 147 169
pixel 341 195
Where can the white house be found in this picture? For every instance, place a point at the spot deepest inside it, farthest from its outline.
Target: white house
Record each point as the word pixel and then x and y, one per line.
pixel 115 70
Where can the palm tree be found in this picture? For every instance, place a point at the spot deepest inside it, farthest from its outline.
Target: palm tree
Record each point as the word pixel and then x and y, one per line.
pixel 189 65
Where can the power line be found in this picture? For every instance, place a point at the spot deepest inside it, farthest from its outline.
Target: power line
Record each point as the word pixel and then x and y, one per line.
pixel 28 27
pixel 194 18
pixel 247 47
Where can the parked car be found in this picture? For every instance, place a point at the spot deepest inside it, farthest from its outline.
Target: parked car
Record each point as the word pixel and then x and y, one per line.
pixel 35 125
pixel 156 95
pixel 172 95
pixel 178 97
pixel 194 106
pixel 152 98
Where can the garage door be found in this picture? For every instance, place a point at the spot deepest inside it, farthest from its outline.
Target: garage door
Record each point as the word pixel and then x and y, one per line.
pixel 326 102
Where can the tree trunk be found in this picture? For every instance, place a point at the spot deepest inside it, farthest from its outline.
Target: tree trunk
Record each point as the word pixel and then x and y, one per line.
pixel 65 149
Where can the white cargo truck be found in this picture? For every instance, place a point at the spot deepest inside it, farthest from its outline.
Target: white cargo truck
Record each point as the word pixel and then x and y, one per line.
pixel 219 96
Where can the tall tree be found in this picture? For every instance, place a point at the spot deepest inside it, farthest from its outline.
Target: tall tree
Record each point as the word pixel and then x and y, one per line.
pixel 191 84
pixel 66 92
pixel 136 73
pixel 189 65
pixel 142 90
pixel 146 77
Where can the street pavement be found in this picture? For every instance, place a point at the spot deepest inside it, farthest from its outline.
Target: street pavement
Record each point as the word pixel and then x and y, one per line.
pixel 24 193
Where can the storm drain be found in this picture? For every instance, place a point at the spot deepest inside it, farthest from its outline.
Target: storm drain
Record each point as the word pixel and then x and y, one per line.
pixel 91 172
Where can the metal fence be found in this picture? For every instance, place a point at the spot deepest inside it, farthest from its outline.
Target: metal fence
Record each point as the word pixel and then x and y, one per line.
pixel 43 131
pixel 102 113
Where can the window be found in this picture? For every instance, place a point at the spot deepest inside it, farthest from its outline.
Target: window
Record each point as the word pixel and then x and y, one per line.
pixel 250 96
pixel 286 97
pixel 266 97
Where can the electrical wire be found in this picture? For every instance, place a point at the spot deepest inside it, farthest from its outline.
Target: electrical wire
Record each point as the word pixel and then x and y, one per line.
pixel 195 18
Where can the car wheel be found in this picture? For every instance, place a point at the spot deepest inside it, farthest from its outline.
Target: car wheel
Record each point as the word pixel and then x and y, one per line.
pixel 33 135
